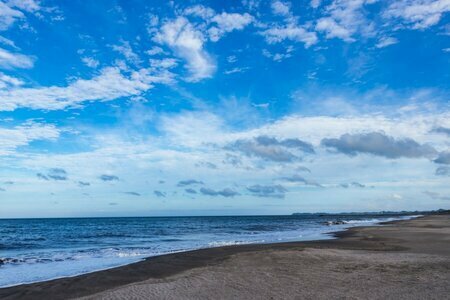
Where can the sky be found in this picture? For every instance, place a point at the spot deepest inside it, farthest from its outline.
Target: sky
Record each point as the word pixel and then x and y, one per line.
pixel 157 108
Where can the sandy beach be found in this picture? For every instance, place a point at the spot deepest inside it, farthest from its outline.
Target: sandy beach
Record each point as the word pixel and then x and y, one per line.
pixel 399 260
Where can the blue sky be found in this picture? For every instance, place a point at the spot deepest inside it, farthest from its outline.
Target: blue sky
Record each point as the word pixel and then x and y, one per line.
pixel 126 108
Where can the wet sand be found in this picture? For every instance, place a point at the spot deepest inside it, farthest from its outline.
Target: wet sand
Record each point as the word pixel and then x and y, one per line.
pixel 400 260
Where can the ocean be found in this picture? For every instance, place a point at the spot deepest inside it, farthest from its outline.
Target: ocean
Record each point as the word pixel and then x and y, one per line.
pixel 34 250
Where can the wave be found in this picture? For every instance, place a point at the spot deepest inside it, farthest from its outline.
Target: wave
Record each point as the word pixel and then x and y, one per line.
pixel 367 221
pixel 51 257
pixel 233 243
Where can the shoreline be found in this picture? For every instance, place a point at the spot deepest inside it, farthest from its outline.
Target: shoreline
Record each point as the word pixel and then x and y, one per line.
pixel 160 268
pixel 329 235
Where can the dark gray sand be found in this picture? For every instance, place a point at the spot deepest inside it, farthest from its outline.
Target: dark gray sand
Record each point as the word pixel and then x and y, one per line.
pixel 400 260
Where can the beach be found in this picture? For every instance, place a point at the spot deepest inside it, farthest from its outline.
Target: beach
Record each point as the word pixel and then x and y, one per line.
pixel 407 259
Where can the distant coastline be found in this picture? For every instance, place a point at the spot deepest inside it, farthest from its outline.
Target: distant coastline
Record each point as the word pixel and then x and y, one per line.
pixel 378 213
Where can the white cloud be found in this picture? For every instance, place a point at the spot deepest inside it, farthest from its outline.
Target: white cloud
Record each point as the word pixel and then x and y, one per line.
pixel 251 4
pixel 386 41
pixel 187 37
pixel 290 29
pixel 199 128
pixel 9 81
pixel 155 51
pixel 261 105
pixel 232 59
pixel 192 129
pixel 227 22
pixel 281 8
pixel 334 30
pixel 12 10
pixel 345 18
pixel 200 11
pixel 279 56
pixel 125 49
pixel 311 130
pixel 290 32
pixel 236 70
pixel 223 22
pixel 187 43
pixel 12 138
pixel 110 84
pixel 26 5
pixel 90 62
pixel 165 63
pixel 9 60
pixel 315 3
pixel 420 14
pixel 189 138
pixel 219 24
pixel 8 16
pixel 232 21
pixel 8 42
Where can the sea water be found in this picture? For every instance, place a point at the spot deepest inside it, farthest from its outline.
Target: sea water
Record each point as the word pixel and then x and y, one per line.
pixel 34 250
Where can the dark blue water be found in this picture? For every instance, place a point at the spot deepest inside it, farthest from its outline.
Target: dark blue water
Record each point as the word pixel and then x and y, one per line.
pixel 40 249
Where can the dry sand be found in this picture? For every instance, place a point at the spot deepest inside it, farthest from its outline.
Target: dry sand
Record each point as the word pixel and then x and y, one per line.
pixel 401 260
